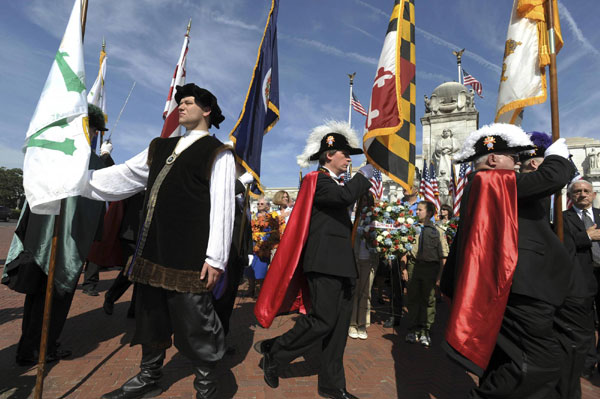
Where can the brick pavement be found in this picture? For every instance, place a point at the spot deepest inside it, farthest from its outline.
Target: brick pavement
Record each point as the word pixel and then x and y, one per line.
pixel 383 366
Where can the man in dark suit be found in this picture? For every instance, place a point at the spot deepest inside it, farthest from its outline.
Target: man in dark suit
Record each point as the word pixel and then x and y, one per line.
pixel 525 361
pixel 581 222
pixel 328 264
pixel 574 318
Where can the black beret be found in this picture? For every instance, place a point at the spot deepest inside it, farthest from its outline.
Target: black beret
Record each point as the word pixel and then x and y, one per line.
pixel 203 98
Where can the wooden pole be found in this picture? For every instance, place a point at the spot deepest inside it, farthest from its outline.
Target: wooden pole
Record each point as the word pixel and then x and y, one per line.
pixel 39 382
pixel 558 216
pixel 84 7
pixel 244 218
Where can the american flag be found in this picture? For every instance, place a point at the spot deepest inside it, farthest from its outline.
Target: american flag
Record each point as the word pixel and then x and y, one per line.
pixel 376 184
pixel 434 187
pixel 469 80
pixel 428 187
pixel 575 178
pixel 465 169
pixel 357 106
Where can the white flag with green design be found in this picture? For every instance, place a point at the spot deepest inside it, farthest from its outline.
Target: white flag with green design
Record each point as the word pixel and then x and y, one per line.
pixel 57 143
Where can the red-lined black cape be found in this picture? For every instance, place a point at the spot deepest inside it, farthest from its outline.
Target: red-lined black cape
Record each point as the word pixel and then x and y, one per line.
pixel 486 262
pixel 285 288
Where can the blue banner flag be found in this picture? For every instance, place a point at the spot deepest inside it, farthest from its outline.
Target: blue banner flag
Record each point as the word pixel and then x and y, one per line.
pixel 261 108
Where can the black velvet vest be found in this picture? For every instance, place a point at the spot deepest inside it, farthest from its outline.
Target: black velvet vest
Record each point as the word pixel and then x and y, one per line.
pixel 175 227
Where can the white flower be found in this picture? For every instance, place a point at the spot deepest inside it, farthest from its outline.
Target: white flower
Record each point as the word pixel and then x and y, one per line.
pixel 401 220
pixel 410 221
pixel 403 239
pixel 379 238
pixel 388 209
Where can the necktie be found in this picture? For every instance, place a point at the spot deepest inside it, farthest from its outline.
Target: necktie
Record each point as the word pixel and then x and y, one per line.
pixel 588 222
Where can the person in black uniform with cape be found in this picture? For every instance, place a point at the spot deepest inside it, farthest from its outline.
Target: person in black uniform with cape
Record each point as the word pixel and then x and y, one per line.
pixel 322 219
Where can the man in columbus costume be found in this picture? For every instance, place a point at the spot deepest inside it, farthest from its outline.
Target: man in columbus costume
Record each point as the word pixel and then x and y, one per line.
pixel 28 258
pixel 315 257
pixel 506 271
pixel 183 245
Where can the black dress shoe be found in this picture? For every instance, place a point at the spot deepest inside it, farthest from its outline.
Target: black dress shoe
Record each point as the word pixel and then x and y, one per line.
pixel 391 322
pixel 267 362
pixel 335 393
pixel 108 306
pixel 26 361
pixel 90 292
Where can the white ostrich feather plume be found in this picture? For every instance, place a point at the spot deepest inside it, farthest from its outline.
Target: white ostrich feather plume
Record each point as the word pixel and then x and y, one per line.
pixel 313 143
pixel 513 135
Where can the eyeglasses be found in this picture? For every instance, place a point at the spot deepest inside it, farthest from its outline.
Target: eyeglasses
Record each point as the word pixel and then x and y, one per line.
pixel 515 157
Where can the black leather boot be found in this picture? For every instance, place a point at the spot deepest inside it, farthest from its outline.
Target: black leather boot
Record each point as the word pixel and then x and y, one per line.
pixel 145 383
pixel 204 383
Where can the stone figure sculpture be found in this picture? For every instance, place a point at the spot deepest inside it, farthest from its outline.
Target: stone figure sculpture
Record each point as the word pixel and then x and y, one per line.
pixel 444 149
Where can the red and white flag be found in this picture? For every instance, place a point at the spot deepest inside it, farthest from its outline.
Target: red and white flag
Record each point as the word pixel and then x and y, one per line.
pixel 171 115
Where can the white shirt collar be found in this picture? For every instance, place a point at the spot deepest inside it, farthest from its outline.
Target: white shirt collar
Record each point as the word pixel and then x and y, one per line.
pixel 201 133
pixel 336 177
pixel 580 212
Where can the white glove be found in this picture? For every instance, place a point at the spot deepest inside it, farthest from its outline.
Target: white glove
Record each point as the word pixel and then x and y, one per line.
pixel 559 147
pixel 367 170
pixel 106 148
pixel 250 258
pixel 246 178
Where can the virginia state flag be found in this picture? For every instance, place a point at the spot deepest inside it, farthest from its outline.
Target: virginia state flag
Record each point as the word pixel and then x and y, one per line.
pixel 390 141
pixel 57 144
pixel 261 108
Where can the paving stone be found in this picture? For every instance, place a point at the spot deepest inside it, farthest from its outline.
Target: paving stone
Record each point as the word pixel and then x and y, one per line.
pixel 383 366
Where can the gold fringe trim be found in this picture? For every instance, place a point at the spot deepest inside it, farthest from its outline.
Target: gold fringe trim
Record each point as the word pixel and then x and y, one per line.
pixel 146 272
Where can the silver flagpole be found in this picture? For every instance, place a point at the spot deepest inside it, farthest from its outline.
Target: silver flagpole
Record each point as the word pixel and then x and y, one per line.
pixel 351 76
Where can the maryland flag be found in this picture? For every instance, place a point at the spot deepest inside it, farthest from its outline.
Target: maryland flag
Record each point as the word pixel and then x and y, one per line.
pixel 526 54
pixel 261 108
pixel 390 141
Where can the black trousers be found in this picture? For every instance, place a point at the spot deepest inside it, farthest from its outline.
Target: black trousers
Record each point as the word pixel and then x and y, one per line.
pixel 33 315
pixel 190 318
pixel 118 288
pixel 593 356
pixel 91 276
pixel 527 360
pixel 575 322
pixel 224 305
pixel 326 323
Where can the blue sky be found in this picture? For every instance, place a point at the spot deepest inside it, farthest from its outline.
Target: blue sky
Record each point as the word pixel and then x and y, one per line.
pixel 319 43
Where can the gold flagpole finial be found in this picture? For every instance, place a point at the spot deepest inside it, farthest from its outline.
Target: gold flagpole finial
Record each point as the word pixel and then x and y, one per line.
pixel 351 76
pixel 187 33
pixel 458 55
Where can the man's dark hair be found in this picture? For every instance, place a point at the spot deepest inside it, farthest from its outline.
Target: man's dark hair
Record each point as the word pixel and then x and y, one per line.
pixel 323 156
pixel 429 206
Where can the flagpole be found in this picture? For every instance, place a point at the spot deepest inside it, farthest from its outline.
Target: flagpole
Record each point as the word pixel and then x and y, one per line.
pixel 458 55
pixel 84 8
pixel 558 216
pixel 121 112
pixel 351 76
pixel 39 381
